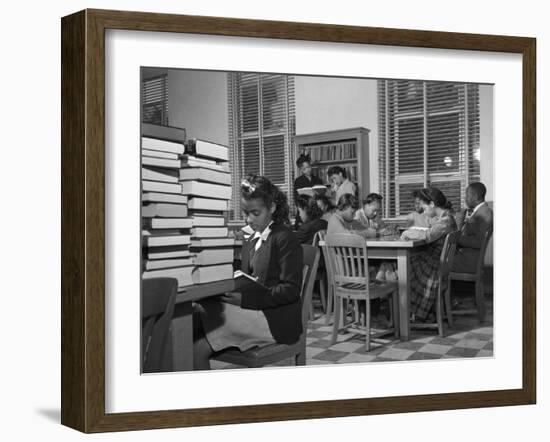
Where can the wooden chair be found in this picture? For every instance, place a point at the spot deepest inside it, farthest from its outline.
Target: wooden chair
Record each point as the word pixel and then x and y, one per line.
pixel 157 308
pixel 443 298
pixel 260 356
pixel 350 269
pixel 324 277
pixel 477 279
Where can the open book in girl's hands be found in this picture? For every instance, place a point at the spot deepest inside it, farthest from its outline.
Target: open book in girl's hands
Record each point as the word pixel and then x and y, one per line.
pixel 248 283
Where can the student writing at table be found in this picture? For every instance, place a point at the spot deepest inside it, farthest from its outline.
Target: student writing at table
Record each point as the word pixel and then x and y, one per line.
pixel 417 218
pixel 274 256
pixel 425 265
pixel 311 215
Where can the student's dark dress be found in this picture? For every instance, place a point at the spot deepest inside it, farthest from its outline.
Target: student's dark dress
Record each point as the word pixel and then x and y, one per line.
pixel 307 231
pixel 299 183
pixel 261 319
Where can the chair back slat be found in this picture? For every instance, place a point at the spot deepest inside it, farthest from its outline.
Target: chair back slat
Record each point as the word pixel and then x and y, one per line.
pixel 310 262
pixel 447 255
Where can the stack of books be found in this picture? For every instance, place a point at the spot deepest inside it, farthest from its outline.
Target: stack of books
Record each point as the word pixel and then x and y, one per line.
pixel 186 188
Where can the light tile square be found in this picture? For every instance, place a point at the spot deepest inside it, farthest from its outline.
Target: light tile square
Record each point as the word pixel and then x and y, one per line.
pixel 348 346
pixel 398 354
pixel 471 343
pixel 357 357
pixel 435 349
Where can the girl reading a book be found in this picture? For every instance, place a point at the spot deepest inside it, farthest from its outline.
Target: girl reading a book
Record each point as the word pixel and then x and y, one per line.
pixel 306 179
pixel 271 310
pixel 311 214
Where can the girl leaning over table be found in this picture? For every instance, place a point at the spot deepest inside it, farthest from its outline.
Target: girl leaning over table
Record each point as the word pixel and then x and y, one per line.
pixel 425 265
pixel 274 256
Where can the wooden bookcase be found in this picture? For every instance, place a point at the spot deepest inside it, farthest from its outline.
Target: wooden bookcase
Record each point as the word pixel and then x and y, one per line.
pixel 348 148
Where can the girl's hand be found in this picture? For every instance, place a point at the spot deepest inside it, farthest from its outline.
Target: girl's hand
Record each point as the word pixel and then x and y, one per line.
pixel 232 298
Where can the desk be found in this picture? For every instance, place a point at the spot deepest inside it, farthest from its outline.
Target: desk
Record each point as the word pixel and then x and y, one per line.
pixel 393 247
pixel 182 321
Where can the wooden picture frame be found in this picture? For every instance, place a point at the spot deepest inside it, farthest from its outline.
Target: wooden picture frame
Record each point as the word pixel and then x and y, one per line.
pixel 83 220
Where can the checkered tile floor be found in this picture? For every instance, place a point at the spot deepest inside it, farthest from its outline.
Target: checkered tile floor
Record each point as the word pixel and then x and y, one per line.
pixel 467 339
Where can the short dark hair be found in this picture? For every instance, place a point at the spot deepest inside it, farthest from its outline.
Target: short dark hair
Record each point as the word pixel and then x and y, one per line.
pixel 326 201
pixel 307 203
pixel 416 193
pixel 371 198
pixel 303 158
pixel 259 187
pixel 334 170
pixel 436 196
pixel 347 200
pixel 479 189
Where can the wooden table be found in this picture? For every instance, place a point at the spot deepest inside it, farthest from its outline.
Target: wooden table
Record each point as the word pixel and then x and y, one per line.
pixel 394 248
pixel 182 321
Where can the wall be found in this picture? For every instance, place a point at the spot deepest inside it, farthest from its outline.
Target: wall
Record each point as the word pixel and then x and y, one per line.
pixel 324 104
pixel 198 101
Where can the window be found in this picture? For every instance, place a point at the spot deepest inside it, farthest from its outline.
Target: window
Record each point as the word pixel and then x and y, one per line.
pixel 429 135
pixel 154 100
pixel 261 130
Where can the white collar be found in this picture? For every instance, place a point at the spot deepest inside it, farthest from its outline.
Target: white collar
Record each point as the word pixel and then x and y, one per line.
pixel 263 236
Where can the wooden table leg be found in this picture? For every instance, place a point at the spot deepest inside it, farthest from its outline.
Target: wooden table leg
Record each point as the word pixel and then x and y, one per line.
pixel 182 337
pixel 403 276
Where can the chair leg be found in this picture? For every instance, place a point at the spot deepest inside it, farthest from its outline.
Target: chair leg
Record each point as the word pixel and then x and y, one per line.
pixel 330 304
pixel 439 312
pixel 323 291
pixel 395 312
pixel 335 324
pixel 300 358
pixel 448 305
pixel 480 300
pixel 367 325
pixel 311 314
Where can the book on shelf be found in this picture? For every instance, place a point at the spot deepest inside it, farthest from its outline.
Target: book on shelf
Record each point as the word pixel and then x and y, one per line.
pixel 209 232
pixel 156 186
pixel 166 240
pixel 207 149
pixel 208 221
pixel 159 174
pixel 164 210
pixel 207 204
pixel 248 283
pixel 167 252
pixel 197 243
pixel 182 274
pixel 156 197
pixel 208 190
pixel 318 189
pixel 204 174
pixel 168 263
pixel 167 223
pixel 161 132
pixel 212 273
pixel 213 256
pixel 159 154
pixel 159 145
pixel 160 162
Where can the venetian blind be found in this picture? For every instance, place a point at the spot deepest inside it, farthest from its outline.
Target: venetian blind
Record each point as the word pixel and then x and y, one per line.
pixel 261 112
pixel 429 136
pixel 154 100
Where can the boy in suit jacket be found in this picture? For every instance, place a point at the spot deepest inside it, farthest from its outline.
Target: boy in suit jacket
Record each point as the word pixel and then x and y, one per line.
pixel 473 223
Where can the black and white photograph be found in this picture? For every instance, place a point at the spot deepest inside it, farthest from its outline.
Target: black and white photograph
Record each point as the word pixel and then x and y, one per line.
pixel 295 220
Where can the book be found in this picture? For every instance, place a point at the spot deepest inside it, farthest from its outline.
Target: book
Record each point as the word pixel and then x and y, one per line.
pixel 167 223
pixel 168 263
pixel 211 242
pixel 167 252
pixel 159 154
pixel 208 190
pixel 312 191
pixel 207 204
pixel 158 174
pixel 182 274
pixel 164 210
pixel 207 149
pixel 160 162
pixel 162 145
pixel 156 186
pixel 220 167
pixel 164 232
pixel 214 221
pixel 213 256
pixel 155 197
pixel 248 283
pixel 209 232
pixel 186 157
pixel 213 273
pixel 202 174
pixel 166 240
pixel 166 133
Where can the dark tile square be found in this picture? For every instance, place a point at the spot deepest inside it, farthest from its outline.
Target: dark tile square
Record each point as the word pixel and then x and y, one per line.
pixel 444 341
pixel 317 334
pixel 321 343
pixel 423 356
pixel 488 346
pixel 382 359
pixel 331 355
pixel 463 352
pixel 478 336
pixel 375 349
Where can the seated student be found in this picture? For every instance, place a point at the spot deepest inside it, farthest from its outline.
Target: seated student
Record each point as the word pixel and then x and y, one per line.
pixel 326 206
pixel 340 183
pixel 342 221
pixel 473 224
pixel 311 215
pixel 425 266
pixel 273 255
pixel 417 218
pixel 306 179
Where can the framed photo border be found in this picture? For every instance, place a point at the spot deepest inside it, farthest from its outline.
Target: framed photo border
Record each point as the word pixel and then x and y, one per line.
pixel 83 219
